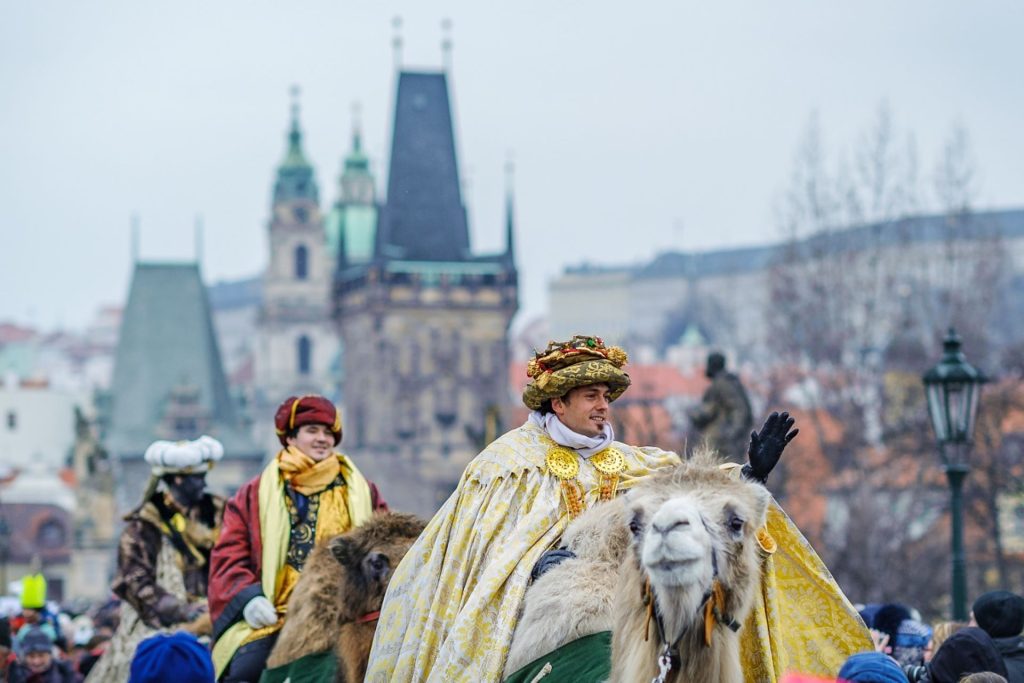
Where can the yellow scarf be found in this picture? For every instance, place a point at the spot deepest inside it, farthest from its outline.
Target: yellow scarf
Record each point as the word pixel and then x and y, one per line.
pixel 306 475
pixel 275 528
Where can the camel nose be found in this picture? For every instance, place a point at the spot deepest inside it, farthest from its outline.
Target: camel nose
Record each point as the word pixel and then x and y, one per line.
pixel 676 515
pixel 670 526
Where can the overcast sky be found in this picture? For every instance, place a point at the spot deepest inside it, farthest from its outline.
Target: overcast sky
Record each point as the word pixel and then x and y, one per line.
pixel 634 127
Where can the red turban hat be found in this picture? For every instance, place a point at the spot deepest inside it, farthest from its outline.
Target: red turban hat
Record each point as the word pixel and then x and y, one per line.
pixel 304 410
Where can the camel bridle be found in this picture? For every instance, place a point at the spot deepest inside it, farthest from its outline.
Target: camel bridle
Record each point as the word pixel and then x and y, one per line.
pixel 368 617
pixel 712 606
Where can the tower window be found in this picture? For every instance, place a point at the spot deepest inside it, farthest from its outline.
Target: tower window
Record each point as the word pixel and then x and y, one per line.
pixel 305 348
pixel 301 262
pixel 12 420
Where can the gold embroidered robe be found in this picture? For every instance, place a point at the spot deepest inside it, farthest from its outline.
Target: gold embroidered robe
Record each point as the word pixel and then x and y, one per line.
pixel 453 602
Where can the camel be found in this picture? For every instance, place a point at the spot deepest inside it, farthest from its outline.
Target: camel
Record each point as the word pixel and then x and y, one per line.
pixel 338 597
pixel 671 567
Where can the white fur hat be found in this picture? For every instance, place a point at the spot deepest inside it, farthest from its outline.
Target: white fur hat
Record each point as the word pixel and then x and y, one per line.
pixel 184 457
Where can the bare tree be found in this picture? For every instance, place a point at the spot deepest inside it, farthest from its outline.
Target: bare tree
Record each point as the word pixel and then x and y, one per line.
pixel 863 293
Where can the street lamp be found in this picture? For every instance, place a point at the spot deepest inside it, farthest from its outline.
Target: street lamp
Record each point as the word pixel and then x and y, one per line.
pixel 952 388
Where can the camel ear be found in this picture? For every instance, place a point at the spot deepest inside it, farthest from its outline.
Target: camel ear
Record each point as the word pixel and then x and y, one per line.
pixel 764 499
pixel 344 551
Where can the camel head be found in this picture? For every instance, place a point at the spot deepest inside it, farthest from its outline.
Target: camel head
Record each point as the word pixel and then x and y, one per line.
pixel 691 527
pixel 368 555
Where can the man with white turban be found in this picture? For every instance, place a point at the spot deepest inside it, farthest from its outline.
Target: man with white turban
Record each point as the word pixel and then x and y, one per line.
pixel 164 553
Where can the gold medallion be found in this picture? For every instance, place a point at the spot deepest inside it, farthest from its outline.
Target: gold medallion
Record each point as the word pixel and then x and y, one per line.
pixel 563 463
pixel 609 461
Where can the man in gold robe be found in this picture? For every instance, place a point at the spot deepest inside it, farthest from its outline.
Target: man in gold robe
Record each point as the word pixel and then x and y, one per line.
pixel 453 602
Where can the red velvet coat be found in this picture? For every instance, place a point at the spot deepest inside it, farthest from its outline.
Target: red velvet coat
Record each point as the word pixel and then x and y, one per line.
pixel 235 560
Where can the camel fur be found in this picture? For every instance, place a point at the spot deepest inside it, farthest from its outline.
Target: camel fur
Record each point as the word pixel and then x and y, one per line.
pixel 674 523
pixel 556 611
pixel 343 581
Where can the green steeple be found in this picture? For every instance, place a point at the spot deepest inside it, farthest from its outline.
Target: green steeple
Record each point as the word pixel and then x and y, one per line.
pixel 352 223
pixel 295 178
pixel 357 162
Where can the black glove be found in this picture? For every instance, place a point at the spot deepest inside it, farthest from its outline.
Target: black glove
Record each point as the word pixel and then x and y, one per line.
pixel 766 447
pixel 548 560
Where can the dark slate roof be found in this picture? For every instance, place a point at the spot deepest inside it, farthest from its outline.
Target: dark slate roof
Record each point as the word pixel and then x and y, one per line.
pixel 423 218
pixel 911 230
pixel 167 340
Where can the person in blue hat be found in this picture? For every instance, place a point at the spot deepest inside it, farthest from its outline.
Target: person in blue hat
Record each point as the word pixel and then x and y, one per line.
pixel 871 667
pixel 176 658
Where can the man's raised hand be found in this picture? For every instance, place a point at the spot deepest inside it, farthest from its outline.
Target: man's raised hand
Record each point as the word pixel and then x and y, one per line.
pixel 767 445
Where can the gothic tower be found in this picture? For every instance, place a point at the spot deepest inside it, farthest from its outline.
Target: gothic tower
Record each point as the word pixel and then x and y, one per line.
pixel 424 322
pixel 297 341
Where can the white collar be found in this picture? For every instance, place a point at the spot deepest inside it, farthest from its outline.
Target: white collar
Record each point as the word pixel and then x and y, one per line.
pixel 563 436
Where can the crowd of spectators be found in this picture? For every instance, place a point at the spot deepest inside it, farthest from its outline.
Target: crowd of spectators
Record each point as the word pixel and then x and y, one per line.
pixel 42 643
pixel 987 649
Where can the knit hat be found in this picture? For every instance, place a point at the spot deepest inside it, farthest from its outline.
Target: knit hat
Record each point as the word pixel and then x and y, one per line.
pixel 184 457
pixel 579 362
pixel 303 410
pixel 868 612
pixel 888 619
pixel 33 591
pixel 164 658
pixel 1000 613
pixel 35 640
pixel 967 651
pixel 911 639
pixel 871 667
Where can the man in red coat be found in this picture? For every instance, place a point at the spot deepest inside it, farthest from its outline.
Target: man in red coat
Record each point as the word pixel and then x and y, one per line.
pixel 307 494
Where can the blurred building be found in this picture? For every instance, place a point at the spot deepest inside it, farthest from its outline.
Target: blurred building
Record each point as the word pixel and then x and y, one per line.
pixel 37 424
pixel 169 382
pixel 297 343
pixel 726 294
pixel 36 519
pixel 423 320
pixel 378 303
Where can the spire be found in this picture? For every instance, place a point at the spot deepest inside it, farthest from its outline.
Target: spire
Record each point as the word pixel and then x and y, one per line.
pixel 357 128
pixel 295 174
pixel 135 238
pixel 357 159
pixel 510 170
pixel 446 44
pixel 295 157
pixel 352 223
pixel 424 218
pixel 396 42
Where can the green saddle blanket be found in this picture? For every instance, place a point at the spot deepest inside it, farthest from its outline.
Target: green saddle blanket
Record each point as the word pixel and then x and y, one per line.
pixel 316 668
pixel 586 660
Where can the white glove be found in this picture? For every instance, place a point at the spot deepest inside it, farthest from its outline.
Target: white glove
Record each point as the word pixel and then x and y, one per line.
pixel 258 612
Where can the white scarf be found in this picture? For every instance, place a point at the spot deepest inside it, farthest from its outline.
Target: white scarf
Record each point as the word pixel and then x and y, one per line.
pixel 563 436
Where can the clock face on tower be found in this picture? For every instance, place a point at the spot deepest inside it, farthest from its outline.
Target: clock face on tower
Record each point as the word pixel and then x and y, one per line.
pixel 300 213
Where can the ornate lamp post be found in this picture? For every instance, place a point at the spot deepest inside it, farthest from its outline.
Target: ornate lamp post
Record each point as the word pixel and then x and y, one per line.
pixel 952 388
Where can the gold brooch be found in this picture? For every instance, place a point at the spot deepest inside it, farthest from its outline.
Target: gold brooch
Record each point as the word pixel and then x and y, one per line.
pixel 610 461
pixel 563 463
